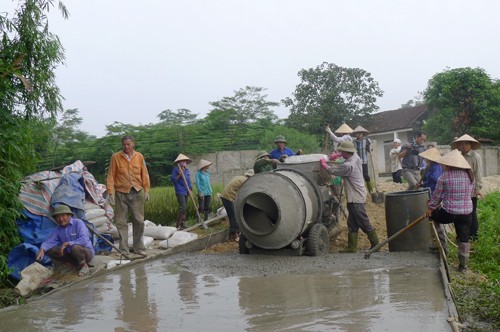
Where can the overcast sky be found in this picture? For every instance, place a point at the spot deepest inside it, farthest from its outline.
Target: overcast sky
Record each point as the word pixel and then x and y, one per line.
pixel 127 60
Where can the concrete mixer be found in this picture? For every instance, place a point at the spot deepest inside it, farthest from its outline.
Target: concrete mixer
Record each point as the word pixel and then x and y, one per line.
pixel 289 210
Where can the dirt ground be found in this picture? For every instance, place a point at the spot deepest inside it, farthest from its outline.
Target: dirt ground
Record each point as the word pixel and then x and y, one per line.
pixel 376 213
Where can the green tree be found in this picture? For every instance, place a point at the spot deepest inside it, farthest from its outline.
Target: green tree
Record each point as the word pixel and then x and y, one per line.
pixel 330 94
pixel 464 101
pixel 29 53
pixel 180 117
pixel 295 140
pixel 248 105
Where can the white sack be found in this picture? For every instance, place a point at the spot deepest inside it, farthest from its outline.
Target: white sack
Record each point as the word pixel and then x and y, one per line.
pixel 159 232
pixel 94 213
pixel 149 223
pixel 179 237
pixel 98 221
pixel 115 262
pixel 31 277
pixel 148 241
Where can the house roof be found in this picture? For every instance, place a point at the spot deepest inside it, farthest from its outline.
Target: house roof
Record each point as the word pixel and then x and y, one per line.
pixel 403 118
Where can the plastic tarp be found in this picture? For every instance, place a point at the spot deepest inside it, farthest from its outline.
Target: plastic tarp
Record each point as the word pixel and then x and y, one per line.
pixel 73 186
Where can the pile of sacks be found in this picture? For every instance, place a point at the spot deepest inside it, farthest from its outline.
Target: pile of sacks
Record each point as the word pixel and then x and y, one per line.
pixel 169 236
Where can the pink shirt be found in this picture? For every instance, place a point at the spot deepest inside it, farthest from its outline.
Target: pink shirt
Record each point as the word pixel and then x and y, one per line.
pixel 453 190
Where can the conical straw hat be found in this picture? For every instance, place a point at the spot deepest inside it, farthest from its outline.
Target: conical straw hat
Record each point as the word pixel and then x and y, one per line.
pixel 182 157
pixel 466 138
pixel 431 154
pixel 360 129
pixel 343 130
pixel 203 163
pixel 454 159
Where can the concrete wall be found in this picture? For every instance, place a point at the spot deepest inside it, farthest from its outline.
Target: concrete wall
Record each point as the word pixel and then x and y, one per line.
pixel 226 164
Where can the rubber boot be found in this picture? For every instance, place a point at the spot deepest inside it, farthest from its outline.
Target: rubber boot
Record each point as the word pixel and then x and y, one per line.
pixel 180 221
pixel 206 216
pixel 369 186
pixel 183 222
pixel 352 242
pixel 373 237
pixel 463 256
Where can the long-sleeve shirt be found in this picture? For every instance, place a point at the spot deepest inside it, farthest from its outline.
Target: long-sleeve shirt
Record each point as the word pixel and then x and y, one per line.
pixel 203 183
pixel 354 183
pixel 231 189
pixel 412 160
pixel 179 185
pixel 277 153
pixel 340 139
pixel 74 233
pixel 476 164
pixel 363 148
pixel 395 162
pixel 453 190
pixel 125 174
pixel 431 176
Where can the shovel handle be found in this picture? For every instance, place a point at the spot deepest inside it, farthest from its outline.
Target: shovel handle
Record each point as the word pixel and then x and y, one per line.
pixel 395 235
pixel 192 199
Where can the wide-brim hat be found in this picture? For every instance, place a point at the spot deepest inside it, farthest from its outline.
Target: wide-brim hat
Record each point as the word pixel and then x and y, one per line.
pixel 249 172
pixel 280 138
pixel 432 154
pixel 203 163
pixel 344 129
pixel 466 138
pixel 454 159
pixel 359 130
pixel 347 147
pixel 262 154
pixel 182 157
pixel 61 209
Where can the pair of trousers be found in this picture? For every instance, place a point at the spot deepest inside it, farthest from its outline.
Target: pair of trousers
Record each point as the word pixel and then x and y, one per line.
pixel 229 206
pixel 76 255
pixel 358 218
pixel 133 202
pixel 412 176
pixel 396 176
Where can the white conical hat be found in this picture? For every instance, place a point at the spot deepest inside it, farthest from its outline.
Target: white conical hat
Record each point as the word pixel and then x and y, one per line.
pixel 466 138
pixel 360 129
pixel 343 130
pixel 431 154
pixel 454 159
pixel 182 157
pixel 203 163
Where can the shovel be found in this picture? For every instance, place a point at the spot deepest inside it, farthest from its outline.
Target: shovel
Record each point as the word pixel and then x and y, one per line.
pixel 377 198
pixel 395 235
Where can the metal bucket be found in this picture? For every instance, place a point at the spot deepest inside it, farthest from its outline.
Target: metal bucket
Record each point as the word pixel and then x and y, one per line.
pixel 401 208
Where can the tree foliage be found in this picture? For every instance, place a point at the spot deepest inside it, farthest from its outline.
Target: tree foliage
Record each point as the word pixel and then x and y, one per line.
pixel 465 101
pixel 248 105
pixel 29 54
pixel 330 94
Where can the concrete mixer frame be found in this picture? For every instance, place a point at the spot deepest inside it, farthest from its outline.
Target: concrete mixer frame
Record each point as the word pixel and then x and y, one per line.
pixel 290 210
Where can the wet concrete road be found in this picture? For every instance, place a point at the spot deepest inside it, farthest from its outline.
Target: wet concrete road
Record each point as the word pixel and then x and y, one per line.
pixel 232 292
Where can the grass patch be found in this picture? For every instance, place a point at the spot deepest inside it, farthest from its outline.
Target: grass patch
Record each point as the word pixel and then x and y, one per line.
pixel 162 206
pixel 477 293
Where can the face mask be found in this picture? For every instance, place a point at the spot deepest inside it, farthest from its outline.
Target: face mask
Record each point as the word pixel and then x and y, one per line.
pixel 182 163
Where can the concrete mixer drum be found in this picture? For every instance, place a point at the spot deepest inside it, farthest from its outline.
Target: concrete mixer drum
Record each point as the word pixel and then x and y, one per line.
pixel 287 210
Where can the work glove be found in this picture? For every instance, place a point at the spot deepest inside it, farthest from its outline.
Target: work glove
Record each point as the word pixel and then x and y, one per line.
pixel 323 163
pixel 111 199
pixel 146 196
pixel 328 130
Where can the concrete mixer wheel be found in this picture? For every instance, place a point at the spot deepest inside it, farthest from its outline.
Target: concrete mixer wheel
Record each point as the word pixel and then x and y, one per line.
pixel 318 241
pixel 242 245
